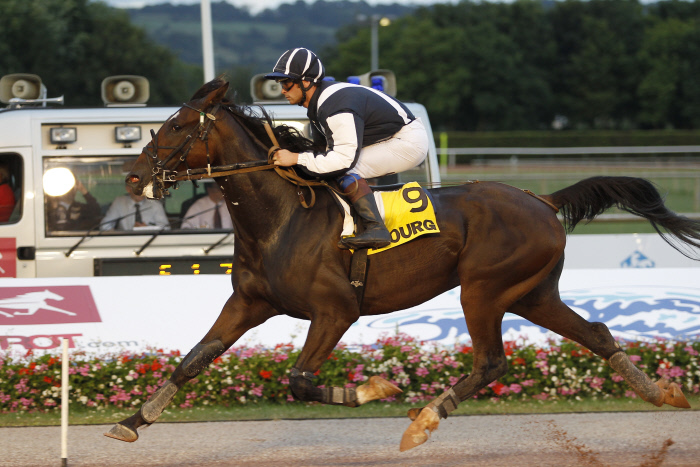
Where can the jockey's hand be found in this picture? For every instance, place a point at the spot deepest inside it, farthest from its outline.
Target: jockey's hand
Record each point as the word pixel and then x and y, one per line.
pixel 285 158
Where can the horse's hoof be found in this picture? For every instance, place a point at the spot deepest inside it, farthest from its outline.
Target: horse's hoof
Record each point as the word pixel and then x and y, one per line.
pixel 673 395
pixel 375 388
pixel 413 413
pixel 415 435
pixel 122 433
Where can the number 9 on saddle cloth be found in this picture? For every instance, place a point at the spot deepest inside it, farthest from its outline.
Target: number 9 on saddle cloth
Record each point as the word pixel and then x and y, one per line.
pixel 408 213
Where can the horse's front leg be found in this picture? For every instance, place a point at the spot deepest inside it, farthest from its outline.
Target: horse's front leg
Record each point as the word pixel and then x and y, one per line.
pixel 235 319
pixel 324 333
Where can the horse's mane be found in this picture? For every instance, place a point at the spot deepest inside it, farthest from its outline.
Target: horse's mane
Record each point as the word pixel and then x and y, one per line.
pixel 254 119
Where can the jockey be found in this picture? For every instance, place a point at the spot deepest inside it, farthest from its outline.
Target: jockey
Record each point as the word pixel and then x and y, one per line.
pixel 367 134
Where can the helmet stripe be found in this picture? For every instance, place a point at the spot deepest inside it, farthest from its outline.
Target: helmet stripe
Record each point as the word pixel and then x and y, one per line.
pixel 290 60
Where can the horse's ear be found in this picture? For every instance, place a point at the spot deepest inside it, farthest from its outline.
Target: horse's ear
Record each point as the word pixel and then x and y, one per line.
pixel 216 95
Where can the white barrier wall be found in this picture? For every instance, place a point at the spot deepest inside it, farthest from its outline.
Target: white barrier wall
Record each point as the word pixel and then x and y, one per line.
pixel 623 251
pixel 641 297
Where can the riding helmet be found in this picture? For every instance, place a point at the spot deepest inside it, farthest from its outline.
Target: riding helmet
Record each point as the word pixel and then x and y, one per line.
pixel 298 64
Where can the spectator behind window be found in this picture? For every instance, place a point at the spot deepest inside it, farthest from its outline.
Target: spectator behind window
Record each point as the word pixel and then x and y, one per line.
pixel 208 212
pixel 133 212
pixel 65 213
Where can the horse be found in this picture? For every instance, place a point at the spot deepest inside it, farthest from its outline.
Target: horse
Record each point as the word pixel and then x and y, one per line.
pixel 502 245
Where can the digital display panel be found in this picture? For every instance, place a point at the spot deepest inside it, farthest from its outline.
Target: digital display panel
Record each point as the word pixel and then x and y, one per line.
pixel 162 266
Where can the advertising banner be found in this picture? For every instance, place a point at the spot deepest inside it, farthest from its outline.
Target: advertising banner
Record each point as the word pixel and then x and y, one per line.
pixel 111 314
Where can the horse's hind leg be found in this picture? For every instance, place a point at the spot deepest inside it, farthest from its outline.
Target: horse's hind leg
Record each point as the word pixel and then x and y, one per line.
pixel 544 308
pixel 235 319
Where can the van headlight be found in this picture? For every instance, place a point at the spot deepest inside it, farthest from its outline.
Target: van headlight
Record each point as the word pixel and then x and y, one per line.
pixel 64 135
pixel 127 134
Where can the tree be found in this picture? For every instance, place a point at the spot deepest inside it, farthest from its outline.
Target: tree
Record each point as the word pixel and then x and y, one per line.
pixel 74 44
pixel 596 69
pixel 474 66
pixel 668 91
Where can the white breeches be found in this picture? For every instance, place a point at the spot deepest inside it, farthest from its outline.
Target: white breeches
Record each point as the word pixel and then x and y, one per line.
pixel 404 151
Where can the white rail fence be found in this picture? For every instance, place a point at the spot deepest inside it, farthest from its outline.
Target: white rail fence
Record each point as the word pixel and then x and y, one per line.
pixel 673 163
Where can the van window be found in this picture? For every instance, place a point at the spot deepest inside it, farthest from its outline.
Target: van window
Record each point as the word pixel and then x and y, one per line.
pixel 10 188
pixel 94 198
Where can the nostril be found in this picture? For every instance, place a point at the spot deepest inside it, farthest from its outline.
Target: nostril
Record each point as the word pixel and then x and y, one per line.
pixel 133 179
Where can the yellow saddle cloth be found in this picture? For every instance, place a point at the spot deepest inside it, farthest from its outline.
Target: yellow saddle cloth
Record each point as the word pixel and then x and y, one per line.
pixel 408 213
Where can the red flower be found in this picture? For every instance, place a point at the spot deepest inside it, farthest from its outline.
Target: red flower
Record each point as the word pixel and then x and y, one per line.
pixel 47 379
pixel 155 366
pixel 351 376
pixel 466 349
pixel 499 388
pixel 265 374
pixel 519 361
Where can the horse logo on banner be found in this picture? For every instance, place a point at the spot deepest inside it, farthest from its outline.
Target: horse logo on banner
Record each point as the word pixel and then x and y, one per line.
pixel 38 305
pixel 31 302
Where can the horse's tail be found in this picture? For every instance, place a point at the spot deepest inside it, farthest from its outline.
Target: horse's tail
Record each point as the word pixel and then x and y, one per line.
pixel 591 197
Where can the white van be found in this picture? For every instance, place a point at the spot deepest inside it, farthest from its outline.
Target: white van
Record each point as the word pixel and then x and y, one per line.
pixel 98 146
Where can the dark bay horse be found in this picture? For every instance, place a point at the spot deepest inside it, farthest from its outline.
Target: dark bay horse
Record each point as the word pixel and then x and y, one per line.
pixel 504 247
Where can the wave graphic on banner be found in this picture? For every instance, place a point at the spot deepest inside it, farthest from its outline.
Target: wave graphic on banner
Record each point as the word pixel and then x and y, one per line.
pixel 630 312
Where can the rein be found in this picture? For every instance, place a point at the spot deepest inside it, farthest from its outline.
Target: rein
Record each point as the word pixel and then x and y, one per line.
pixel 160 175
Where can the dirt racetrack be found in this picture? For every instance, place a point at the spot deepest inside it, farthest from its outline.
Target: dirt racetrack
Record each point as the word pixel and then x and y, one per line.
pixel 636 439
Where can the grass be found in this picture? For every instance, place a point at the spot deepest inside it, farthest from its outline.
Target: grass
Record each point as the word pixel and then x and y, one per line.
pixel 297 411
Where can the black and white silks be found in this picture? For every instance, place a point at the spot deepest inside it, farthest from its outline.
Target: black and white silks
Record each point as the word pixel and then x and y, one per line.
pixel 350 117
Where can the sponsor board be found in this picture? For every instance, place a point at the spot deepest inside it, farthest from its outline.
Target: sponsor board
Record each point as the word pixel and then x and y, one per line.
pixel 172 313
pixel 8 257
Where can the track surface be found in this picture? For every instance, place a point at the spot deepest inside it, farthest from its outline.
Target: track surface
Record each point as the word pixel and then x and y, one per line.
pixel 600 439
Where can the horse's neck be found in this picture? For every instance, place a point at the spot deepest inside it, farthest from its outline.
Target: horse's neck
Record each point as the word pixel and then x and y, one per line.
pixel 262 202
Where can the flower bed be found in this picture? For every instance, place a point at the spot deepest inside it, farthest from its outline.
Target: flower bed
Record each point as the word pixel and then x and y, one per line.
pixel 562 370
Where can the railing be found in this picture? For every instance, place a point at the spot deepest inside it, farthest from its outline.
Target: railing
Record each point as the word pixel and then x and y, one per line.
pixel 675 169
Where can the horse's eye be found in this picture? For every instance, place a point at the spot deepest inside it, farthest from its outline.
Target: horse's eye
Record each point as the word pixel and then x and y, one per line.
pixel 176 127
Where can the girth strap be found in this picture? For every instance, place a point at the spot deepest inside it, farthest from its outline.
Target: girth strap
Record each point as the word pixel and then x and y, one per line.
pixel 358 273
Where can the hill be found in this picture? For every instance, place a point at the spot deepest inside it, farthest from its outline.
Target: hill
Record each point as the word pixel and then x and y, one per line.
pixel 245 43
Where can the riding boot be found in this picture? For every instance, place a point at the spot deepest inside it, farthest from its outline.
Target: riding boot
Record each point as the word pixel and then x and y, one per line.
pixel 375 234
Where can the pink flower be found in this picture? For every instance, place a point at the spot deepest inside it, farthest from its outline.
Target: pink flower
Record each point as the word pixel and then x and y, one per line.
pixel 617 378
pixel 422 371
pixel 635 358
pixel 516 388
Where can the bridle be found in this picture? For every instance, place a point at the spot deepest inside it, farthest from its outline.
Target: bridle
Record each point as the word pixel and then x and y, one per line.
pixel 160 174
